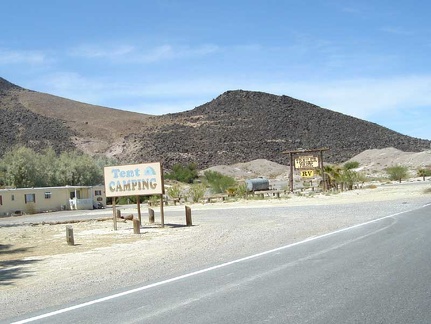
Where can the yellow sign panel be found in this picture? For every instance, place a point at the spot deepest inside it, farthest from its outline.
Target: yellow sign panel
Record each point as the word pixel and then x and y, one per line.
pixel 307 173
pixel 134 180
pixel 306 162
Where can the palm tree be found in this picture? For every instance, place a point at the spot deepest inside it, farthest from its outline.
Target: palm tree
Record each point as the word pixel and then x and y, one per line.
pixel 424 173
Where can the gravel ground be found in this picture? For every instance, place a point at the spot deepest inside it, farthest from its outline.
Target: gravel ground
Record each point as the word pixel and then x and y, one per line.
pixel 38 269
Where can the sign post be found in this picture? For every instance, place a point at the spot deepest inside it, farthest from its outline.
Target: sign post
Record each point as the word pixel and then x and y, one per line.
pixel 306 164
pixel 134 180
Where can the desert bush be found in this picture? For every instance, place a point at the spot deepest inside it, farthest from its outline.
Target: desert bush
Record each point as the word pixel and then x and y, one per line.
pixel 397 172
pixel 183 173
pixel 197 192
pixel 218 182
pixel 126 200
pixel 371 186
pixel 154 200
pixel 241 190
pixel 351 165
pixel 174 191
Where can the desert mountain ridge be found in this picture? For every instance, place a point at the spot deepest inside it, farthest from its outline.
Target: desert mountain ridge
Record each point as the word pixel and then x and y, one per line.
pixel 237 126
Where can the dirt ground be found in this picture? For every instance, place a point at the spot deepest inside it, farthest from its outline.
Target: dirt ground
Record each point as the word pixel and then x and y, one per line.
pixel 26 241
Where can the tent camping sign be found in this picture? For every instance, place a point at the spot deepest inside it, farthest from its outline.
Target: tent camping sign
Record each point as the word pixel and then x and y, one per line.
pixel 134 180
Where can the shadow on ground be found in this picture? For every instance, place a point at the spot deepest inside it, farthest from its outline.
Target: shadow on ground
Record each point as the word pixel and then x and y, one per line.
pixel 12 269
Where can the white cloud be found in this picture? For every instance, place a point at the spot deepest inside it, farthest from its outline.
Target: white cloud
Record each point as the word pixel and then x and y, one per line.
pixel 93 51
pixel 135 54
pixel 21 57
pixel 72 86
pixel 396 31
pixel 361 98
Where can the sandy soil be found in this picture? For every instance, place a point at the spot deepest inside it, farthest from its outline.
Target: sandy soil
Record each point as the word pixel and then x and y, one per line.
pixel 42 240
pixel 36 262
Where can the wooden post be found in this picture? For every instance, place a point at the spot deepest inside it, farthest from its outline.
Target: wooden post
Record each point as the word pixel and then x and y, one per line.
pixel 162 213
pixel 150 215
pixel 69 235
pixel 322 170
pixel 136 226
pixel 291 172
pixel 139 208
pixel 114 212
pixel 188 216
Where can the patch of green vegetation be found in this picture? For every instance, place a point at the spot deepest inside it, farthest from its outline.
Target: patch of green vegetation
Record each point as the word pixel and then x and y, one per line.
pixel 183 173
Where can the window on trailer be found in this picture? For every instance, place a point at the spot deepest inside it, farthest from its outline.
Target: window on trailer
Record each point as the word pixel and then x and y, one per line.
pixel 30 198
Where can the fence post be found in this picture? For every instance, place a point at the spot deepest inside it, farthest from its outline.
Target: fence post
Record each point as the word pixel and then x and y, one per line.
pixel 136 226
pixel 69 235
pixel 151 215
pixel 188 216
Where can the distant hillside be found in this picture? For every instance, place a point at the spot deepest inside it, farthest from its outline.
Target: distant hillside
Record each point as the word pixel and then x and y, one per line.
pixel 238 126
pixel 20 126
pixel 241 126
pixel 93 129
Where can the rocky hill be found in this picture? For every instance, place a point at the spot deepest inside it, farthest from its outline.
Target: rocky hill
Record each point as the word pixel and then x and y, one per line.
pixel 238 126
pixel 241 126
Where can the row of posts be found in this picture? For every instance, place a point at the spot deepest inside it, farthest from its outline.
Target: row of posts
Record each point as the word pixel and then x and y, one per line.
pixel 136 223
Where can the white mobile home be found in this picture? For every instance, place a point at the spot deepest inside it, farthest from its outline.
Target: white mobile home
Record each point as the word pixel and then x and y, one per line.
pixel 16 201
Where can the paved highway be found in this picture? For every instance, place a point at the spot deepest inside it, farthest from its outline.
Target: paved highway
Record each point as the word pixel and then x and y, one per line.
pixel 377 272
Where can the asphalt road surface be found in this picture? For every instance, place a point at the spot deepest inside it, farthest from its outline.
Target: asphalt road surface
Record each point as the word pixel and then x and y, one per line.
pixel 377 272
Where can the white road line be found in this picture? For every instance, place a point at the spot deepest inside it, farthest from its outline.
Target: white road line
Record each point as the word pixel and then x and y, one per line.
pixel 160 283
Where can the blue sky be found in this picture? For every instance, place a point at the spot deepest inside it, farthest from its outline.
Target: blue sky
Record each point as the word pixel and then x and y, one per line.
pixel 367 59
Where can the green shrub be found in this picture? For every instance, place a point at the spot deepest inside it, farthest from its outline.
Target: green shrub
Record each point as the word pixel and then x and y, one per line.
pixel 351 165
pixel 174 191
pixel 126 200
pixel 197 192
pixel 186 174
pixel 218 182
pixel 154 200
pixel 241 190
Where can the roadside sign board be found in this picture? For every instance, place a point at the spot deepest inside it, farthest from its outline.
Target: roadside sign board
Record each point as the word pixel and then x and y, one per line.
pixel 134 180
pixel 306 162
pixel 307 173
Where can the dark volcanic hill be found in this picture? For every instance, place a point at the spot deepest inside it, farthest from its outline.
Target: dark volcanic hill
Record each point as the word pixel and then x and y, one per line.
pixel 237 126
pixel 240 126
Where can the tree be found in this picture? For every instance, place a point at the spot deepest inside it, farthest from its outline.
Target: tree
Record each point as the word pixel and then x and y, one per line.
pixel 46 168
pixel 332 175
pixel 397 172
pixel 77 169
pixel 21 168
pixel 423 172
pixel 183 173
